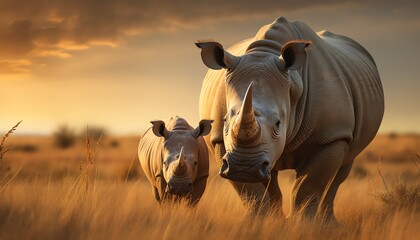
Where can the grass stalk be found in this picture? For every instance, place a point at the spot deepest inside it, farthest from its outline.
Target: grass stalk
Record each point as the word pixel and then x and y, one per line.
pixel 10 180
pixel 129 169
pixel 380 174
pixel 3 151
pixel 414 161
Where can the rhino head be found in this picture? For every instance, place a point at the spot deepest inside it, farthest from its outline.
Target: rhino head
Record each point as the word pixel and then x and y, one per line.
pixel 180 155
pixel 260 97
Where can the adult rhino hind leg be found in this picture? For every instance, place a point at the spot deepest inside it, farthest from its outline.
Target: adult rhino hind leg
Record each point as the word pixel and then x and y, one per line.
pixel 254 195
pixel 320 166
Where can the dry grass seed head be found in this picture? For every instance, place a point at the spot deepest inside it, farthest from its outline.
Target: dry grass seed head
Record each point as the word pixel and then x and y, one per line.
pixel 2 148
pixel 401 196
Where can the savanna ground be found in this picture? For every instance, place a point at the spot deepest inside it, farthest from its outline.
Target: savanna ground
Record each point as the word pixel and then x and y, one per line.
pixel 99 192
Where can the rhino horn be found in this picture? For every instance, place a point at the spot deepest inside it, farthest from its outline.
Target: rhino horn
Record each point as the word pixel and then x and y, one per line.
pixel 180 167
pixel 246 129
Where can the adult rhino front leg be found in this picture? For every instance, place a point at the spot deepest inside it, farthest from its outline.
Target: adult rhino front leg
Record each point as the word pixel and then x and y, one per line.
pixel 327 205
pixel 257 192
pixel 219 152
pixel 254 194
pixel 316 173
pixel 275 195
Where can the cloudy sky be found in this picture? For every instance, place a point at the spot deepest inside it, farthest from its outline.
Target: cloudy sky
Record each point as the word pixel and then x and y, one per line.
pixel 121 63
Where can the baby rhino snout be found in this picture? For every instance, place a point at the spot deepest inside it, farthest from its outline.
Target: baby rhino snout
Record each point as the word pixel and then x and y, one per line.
pixel 179 189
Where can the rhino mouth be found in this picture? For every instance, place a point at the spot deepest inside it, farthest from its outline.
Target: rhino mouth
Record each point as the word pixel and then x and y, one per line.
pixel 247 174
pixel 181 189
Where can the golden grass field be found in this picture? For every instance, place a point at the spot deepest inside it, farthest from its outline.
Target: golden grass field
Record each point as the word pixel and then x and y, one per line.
pixel 50 193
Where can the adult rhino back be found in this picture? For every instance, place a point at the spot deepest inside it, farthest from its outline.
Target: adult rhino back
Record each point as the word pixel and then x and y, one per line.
pixel 357 67
pixel 317 101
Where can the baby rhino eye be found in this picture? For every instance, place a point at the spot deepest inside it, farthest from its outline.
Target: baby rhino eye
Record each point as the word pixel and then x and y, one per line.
pixel 166 162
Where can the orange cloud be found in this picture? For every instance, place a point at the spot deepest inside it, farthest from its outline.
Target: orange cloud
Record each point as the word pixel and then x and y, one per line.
pixel 12 67
pixel 53 53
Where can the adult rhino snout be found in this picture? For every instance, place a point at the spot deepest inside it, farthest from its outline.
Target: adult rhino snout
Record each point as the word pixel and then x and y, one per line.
pixel 256 171
pixel 179 188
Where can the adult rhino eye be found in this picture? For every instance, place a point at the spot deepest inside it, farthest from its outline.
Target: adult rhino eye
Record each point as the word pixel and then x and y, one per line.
pixel 278 124
pixel 276 129
pixel 195 163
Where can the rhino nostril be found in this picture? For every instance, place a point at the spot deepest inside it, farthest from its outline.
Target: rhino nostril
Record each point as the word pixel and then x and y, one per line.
pixel 225 165
pixel 224 169
pixel 265 164
pixel 190 187
pixel 265 170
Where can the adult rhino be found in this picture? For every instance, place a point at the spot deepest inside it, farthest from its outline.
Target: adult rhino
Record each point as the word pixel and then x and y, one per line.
pixel 290 98
pixel 175 159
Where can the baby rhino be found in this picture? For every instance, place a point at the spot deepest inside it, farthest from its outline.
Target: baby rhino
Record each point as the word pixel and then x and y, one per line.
pixel 175 160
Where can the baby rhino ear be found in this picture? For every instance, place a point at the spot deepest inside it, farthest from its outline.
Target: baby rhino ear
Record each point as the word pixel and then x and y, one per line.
pixel 204 128
pixel 159 128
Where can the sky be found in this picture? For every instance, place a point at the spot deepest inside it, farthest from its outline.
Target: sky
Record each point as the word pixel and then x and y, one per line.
pixel 118 64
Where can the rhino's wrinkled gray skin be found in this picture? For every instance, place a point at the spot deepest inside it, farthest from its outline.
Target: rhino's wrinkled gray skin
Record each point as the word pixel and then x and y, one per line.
pixel 175 159
pixel 290 98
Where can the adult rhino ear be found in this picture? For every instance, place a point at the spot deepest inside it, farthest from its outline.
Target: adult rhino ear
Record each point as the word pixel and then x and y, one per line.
pixel 204 128
pixel 215 57
pixel 159 128
pixel 294 54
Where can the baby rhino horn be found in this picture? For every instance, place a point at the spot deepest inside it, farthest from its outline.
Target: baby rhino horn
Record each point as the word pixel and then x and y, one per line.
pixel 180 166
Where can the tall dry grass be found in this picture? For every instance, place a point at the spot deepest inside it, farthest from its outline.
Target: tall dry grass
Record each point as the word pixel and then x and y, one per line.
pixel 41 205
pixel 118 210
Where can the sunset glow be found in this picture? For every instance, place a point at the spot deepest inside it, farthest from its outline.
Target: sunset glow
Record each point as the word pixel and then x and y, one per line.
pixel 119 65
